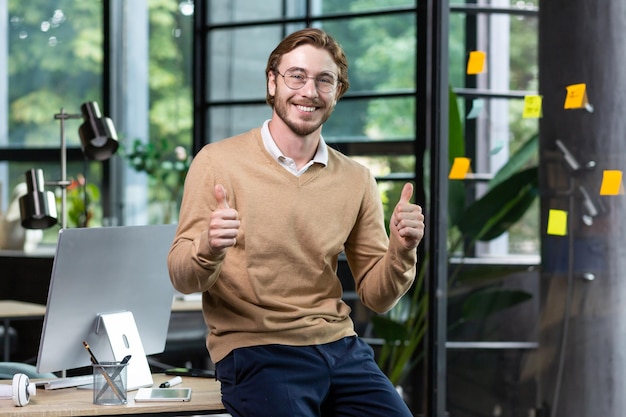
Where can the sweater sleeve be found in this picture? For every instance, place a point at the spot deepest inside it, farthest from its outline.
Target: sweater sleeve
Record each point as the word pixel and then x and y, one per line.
pixel 192 267
pixel 383 269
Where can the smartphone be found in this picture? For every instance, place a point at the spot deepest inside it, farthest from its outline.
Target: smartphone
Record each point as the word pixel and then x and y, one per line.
pixel 163 394
pixel 203 373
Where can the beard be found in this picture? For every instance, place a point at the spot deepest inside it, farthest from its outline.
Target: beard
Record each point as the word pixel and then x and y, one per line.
pixel 300 127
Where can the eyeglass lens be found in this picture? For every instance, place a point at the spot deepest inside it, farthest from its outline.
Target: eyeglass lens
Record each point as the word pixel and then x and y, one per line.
pixel 296 78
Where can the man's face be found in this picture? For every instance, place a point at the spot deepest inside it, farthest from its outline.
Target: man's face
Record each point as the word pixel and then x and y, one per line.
pixel 304 110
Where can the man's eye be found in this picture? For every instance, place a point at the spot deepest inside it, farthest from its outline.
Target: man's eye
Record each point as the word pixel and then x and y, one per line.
pixel 326 80
pixel 297 76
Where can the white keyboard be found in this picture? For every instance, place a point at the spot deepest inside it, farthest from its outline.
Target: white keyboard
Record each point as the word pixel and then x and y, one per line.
pixel 68 382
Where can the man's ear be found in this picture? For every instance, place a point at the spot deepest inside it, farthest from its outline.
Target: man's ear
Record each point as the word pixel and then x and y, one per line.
pixel 336 97
pixel 271 83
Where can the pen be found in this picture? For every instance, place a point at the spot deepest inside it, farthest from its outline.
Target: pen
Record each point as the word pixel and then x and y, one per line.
pixel 91 355
pixel 174 381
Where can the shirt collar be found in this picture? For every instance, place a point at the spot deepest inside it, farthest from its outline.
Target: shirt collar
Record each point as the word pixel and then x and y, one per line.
pixel 320 157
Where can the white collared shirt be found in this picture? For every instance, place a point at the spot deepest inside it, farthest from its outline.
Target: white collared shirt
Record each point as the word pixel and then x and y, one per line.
pixel 320 157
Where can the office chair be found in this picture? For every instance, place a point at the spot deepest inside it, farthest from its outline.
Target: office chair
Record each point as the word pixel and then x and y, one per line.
pixel 8 369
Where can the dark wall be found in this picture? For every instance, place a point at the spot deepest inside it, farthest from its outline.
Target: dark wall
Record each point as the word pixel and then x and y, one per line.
pixel 25 278
pixel 583 324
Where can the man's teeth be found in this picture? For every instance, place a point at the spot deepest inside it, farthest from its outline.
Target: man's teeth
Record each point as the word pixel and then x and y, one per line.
pixel 303 108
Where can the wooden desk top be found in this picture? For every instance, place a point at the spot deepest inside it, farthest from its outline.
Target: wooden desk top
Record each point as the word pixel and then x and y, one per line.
pixel 190 305
pixel 205 399
pixel 10 309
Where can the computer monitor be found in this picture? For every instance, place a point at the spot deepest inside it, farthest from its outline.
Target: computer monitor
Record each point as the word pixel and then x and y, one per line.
pixel 108 272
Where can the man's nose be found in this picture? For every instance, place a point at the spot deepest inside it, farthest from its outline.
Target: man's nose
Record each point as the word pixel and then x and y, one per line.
pixel 309 88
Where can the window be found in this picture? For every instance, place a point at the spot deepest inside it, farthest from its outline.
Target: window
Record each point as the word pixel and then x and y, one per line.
pixel 492 102
pixel 151 100
pixel 52 60
pixel 483 350
pixel 374 122
pixel 55 59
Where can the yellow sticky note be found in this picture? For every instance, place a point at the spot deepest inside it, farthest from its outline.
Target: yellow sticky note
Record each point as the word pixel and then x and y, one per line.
pixel 460 168
pixel 532 107
pixel 476 62
pixel 576 96
pixel 557 222
pixel 612 183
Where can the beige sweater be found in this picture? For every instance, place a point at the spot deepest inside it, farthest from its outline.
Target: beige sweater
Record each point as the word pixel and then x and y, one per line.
pixel 278 285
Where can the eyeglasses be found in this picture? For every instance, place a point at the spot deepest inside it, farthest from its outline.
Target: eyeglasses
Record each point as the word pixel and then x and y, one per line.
pixel 296 78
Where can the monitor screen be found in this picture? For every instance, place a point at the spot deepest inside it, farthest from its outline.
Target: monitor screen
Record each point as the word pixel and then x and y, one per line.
pixel 100 271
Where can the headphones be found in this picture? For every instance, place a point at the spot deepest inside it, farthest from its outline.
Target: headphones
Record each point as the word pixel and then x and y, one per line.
pixel 19 391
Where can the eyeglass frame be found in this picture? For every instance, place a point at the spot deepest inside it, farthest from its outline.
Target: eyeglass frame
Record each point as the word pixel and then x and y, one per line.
pixel 333 87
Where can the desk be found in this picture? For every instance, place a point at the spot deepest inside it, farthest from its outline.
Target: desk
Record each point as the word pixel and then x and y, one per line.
pixel 17 310
pixel 11 310
pixel 186 305
pixel 205 399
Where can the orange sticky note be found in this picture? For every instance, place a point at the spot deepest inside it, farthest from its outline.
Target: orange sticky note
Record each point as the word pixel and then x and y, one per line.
pixel 460 168
pixel 576 96
pixel 612 183
pixel 476 62
pixel 557 222
pixel 532 107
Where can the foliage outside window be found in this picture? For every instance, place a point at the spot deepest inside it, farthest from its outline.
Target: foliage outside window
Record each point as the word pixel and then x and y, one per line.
pixel 166 169
pixel 523 76
pixel 54 62
pixel 164 156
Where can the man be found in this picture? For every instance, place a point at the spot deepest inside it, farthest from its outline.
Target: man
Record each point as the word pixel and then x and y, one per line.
pixel 264 218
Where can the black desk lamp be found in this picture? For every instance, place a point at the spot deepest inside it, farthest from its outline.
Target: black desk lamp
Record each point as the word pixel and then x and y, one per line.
pixel 98 140
pixel 97 134
pixel 37 207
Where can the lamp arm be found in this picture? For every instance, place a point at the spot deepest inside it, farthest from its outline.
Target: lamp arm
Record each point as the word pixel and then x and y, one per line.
pixel 63 182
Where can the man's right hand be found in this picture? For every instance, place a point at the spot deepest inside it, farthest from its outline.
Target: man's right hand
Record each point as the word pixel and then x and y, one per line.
pixel 224 224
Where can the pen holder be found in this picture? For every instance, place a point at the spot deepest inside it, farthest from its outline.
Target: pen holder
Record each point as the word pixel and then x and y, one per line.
pixel 109 383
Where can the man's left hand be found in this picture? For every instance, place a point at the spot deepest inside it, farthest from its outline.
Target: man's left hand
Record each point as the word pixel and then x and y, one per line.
pixel 407 221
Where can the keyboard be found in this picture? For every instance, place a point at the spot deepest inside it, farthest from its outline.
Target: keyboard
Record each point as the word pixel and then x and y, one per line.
pixel 68 382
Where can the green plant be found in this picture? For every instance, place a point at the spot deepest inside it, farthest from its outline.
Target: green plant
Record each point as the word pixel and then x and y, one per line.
pixel 83 200
pixel 166 167
pixel 510 194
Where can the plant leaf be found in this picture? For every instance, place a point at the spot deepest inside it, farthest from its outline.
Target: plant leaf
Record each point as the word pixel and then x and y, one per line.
pixel 456 148
pixel 503 205
pixel 517 161
pixel 484 303
pixel 456 142
pixel 389 329
pixel 474 277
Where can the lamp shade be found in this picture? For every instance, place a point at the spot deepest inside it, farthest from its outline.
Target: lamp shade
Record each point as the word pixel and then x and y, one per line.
pixel 98 137
pixel 38 208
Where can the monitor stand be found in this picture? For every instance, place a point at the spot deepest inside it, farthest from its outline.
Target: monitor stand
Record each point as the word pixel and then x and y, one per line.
pixel 121 332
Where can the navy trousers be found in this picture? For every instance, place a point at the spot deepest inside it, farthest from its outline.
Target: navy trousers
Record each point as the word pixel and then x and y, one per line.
pixel 338 379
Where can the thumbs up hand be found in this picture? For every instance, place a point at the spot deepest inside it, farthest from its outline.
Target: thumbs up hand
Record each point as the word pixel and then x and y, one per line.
pixel 407 220
pixel 223 225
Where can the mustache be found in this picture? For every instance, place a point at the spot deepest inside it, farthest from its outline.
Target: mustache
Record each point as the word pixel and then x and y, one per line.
pixel 309 103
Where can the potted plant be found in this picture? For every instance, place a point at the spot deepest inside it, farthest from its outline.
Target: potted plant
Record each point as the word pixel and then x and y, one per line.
pixel 510 193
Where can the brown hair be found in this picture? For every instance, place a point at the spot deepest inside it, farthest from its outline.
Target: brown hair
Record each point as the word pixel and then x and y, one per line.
pixel 318 39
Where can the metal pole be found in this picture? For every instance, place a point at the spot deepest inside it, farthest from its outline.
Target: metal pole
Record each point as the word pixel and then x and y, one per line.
pixel 433 123
pixel 63 182
pixel 63 173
